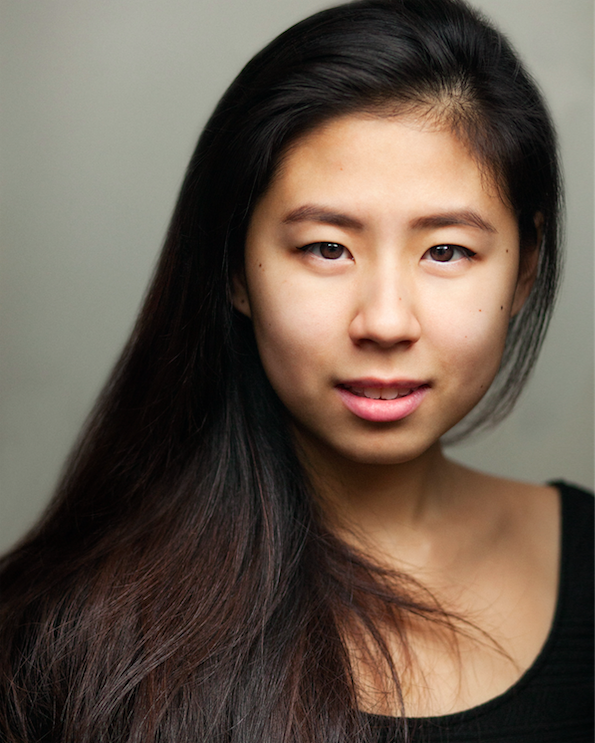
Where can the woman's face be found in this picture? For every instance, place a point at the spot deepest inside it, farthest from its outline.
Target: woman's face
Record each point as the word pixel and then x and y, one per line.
pixel 380 275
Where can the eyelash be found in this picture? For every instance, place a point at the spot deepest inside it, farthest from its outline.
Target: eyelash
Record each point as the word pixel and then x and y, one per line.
pixel 312 247
pixel 465 252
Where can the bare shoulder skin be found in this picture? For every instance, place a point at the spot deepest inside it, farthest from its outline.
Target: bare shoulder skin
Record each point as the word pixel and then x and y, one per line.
pixel 494 561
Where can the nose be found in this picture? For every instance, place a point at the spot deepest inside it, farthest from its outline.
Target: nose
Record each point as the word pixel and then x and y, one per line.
pixel 385 314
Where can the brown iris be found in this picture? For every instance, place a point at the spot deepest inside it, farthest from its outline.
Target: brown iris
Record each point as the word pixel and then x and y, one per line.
pixel 332 251
pixel 442 252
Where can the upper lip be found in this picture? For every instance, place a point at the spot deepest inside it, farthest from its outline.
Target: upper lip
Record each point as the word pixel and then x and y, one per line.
pixel 375 383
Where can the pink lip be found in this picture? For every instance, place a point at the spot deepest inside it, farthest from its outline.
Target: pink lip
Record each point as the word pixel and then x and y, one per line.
pixel 382 411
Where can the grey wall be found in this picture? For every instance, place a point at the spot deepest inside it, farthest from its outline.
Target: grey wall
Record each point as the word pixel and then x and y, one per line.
pixel 101 106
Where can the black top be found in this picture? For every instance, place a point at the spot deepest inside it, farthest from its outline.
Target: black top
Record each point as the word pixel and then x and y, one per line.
pixel 552 702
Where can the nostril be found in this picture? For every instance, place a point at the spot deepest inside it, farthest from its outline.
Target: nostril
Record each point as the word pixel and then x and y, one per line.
pixel 386 324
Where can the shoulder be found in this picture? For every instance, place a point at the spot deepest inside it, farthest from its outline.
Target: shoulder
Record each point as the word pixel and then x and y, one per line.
pixel 578 540
pixel 555 512
pixel 520 508
pixel 523 522
pixel 577 503
pixel 577 522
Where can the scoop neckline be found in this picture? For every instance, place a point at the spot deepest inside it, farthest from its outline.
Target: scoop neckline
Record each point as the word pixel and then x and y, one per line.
pixel 528 675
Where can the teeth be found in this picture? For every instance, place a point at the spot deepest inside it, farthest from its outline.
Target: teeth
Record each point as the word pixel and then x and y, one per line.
pixel 380 393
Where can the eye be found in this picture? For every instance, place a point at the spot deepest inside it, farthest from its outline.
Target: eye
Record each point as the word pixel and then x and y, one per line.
pixel 448 253
pixel 327 251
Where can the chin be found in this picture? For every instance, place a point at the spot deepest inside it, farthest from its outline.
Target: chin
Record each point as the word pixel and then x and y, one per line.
pixel 385 458
pixel 382 453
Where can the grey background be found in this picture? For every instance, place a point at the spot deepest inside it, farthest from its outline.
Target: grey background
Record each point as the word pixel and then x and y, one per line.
pixel 102 103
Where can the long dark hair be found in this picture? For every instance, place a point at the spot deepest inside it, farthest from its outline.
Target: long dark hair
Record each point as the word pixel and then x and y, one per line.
pixel 182 584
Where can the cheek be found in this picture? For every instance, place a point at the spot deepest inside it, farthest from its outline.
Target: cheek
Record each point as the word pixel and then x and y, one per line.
pixel 471 336
pixel 295 333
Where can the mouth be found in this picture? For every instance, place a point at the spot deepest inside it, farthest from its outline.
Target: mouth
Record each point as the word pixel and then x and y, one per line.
pixel 382 401
pixel 379 393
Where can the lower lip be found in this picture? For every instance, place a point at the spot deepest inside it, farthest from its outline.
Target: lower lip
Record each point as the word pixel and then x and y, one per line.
pixel 382 411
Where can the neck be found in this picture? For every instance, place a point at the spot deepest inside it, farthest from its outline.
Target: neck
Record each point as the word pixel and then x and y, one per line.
pixel 366 497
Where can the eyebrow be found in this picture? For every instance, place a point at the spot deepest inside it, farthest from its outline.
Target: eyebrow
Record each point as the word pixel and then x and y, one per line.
pixel 322 215
pixel 465 218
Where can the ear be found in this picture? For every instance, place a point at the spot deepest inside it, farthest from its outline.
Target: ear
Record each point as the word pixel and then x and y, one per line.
pixel 528 268
pixel 239 297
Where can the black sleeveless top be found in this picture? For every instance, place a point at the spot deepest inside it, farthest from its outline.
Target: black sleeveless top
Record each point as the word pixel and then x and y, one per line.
pixel 553 701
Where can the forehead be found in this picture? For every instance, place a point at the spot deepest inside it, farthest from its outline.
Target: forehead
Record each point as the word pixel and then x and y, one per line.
pixel 377 164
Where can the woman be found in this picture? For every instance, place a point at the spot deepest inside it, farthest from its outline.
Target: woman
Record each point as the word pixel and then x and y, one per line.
pixel 258 537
